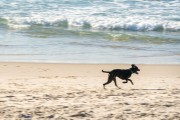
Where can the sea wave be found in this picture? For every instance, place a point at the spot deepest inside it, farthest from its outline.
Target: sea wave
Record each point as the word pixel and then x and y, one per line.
pixel 94 23
pixel 112 15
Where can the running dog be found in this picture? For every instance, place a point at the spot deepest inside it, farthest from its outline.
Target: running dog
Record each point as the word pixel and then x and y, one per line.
pixel 123 74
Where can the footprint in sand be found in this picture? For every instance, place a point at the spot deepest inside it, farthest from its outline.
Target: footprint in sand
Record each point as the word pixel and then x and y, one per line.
pixel 48 77
pixel 81 114
pixel 45 70
pixel 73 77
pixel 25 116
pixel 10 96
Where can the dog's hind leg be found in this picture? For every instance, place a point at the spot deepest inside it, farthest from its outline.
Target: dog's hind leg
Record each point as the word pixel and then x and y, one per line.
pixel 116 83
pixel 110 78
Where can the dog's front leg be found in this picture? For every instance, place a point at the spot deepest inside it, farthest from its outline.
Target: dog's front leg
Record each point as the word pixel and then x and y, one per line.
pixel 131 81
pixel 125 81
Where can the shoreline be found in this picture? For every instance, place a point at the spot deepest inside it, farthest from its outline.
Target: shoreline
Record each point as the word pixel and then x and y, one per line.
pixel 81 63
pixel 75 91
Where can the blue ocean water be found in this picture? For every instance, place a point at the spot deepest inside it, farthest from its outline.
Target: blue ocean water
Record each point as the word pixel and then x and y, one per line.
pixel 90 31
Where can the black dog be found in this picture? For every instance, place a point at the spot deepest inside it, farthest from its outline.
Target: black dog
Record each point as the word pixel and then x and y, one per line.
pixel 123 74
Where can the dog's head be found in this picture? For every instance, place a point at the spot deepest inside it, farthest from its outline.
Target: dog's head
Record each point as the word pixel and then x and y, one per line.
pixel 135 69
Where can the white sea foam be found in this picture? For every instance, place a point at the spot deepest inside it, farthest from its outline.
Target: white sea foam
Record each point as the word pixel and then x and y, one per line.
pixel 100 23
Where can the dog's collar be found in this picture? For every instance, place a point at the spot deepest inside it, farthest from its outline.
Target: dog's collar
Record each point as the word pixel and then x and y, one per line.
pixel 131 71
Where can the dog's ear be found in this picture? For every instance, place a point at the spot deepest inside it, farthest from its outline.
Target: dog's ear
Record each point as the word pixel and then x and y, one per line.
pixel 133 65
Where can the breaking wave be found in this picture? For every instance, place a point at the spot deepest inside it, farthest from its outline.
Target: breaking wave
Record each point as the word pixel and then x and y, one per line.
pixel 93 23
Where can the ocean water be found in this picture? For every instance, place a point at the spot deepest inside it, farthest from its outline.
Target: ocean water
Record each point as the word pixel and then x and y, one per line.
pixel 90 31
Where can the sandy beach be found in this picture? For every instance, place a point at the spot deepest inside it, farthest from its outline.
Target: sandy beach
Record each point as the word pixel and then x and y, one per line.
pixel 39 91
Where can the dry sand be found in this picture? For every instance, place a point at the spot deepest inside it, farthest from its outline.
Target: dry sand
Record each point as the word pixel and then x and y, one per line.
pixel 34 91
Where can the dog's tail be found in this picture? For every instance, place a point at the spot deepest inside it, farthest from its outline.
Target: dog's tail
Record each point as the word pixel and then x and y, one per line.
pixel 105 71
